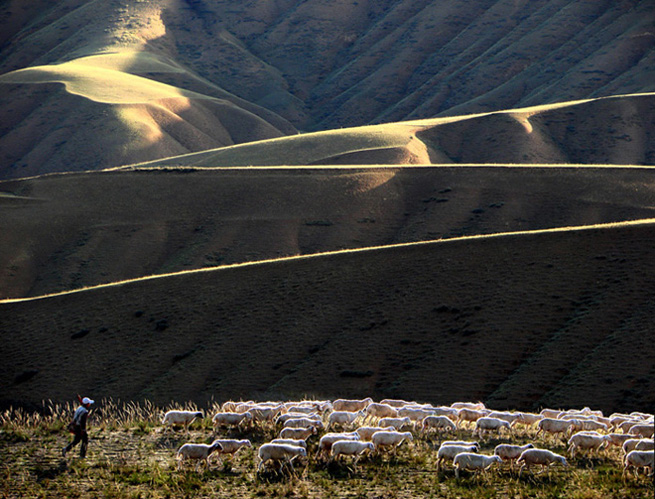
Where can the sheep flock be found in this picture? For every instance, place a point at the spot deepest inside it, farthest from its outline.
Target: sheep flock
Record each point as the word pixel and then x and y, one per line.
pixel 349 431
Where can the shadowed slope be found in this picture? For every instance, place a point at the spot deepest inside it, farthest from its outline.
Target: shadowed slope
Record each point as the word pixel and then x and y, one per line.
pixel 441 321
pixel 68 231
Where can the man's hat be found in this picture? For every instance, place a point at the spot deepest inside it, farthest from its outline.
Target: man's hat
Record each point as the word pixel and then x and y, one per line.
pixel 87 400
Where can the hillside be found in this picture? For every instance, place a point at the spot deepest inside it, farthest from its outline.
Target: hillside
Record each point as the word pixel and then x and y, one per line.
pixel 558 317
pixel 68 231
pixel 198 74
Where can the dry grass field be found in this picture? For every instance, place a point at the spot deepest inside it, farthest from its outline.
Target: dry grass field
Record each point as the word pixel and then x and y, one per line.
pixel 132 455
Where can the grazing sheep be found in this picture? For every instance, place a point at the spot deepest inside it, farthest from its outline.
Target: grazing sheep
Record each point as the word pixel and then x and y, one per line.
pixel 627 425
pixel 444 411
pixel 397 403
pixel 303 423
pixel 448 452
pixel 618 439
pixel 473 462
pixel 645 444
pixel 326 441
pixel 351 405
pixel 542 457
pixel 414 413
pixel 231 418
pixel 185 418
pixel 476 406
pixel 554 426
pixel 486 424
pixel 643 430
pixel 639 459
pixel 637 444
pixel 350 448
pixel 586 441
pixel 283 453
pixel 375 410
pixel 396 423
pixel 510 417
pixel 366 432
pixel 197 452
pixel 283 418
pixel 343 418
pixel 528 418
pixel 390 439
pixel 298 433
pixel 461 442
pixel 438 423
pixel 468 415
pixel 588 425
pixel 509 452
pixel 550 413
pixel 231 446
pixel 261 413
pixel 290 441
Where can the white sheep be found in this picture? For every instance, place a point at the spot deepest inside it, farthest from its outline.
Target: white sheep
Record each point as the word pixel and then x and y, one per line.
pixel 474 462
pixel 589 425
pixel 477 406
pixel 554 426
pixel 232 446
pixel 645 444
pixel 290 441
pixel 509 452
pixel 586 441
pixel 350 448
pixel 468 415
pixel 366 432
pixel 261 413
pixel 415 413
pixel 618 439
pixel 542 457
pixel 551 413
pixel 231 418
pixel 461 442
pixel 397 403
pixel 351 405
pixel 528 418
pixel 197 452
pixel 298 433
pixel 283 453
pixel 343 418
pixel 637 444
pixel 303 423
pixel 639 459
pixel 326 441
pixel 177 417
pixel 486 424
pixel 376 410
pixel 510 417
pixel 438 423
pixel 283 418
pixel 643 430
pixel 396 423
pixel 390 439
pixel 448 452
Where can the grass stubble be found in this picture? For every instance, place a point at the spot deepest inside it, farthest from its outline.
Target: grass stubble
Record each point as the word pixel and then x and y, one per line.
pixel 131 456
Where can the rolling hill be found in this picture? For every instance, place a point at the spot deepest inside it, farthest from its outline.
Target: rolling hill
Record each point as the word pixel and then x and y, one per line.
pixel 90 85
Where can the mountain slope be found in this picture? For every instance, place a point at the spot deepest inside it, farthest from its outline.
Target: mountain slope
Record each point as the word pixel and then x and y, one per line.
pixel 259 69
pixel 442 321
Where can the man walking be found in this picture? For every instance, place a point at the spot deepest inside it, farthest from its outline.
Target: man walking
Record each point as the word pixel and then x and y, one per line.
pixel 78 426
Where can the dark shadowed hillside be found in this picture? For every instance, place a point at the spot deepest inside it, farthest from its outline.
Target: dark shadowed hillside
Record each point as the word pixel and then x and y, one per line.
pixel 560 318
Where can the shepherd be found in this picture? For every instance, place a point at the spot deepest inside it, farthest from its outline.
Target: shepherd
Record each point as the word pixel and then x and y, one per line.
pixel 78 426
